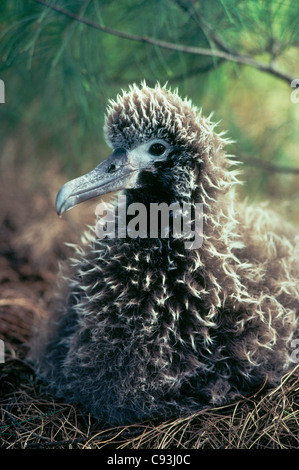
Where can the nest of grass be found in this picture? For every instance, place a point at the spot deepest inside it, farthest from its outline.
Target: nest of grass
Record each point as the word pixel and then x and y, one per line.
pixel 31 418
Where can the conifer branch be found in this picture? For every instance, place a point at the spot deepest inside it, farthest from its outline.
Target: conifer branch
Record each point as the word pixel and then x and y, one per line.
pixel 222 54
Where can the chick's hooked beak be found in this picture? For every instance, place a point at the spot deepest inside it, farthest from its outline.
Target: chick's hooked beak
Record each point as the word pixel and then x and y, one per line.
pixel 113 174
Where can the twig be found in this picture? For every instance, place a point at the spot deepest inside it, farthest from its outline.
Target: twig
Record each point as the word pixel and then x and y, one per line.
pixel 241 59
pixel 19 425
pixel 206 28
pixel 40 445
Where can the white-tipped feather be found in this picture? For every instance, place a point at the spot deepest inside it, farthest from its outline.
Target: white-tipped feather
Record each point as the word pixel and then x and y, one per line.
pixel 150 328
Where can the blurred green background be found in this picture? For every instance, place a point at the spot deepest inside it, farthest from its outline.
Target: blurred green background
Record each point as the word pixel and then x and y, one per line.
pixel 59 73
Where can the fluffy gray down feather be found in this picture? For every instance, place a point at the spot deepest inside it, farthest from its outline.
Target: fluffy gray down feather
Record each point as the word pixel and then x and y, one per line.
pixel 146 328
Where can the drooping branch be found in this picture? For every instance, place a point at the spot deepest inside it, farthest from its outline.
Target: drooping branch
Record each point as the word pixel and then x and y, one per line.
pixel 238 58
pixel 211 35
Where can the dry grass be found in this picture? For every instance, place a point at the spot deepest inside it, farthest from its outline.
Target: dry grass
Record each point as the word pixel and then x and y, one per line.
pixel 31 418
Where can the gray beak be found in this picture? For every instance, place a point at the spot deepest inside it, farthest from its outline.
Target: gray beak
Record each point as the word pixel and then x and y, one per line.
pixel 111 175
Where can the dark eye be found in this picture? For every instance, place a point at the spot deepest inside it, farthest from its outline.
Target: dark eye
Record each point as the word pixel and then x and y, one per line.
pixel 157 149
pixel 111 168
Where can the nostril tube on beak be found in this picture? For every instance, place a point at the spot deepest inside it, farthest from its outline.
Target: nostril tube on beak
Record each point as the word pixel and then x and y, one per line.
pixel 119 151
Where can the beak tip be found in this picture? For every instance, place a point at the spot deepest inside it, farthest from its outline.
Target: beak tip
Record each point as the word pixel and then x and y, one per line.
pixel 95 183
pixel 61 199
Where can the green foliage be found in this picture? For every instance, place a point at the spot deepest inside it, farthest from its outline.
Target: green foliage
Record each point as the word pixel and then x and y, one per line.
pixel 59 73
